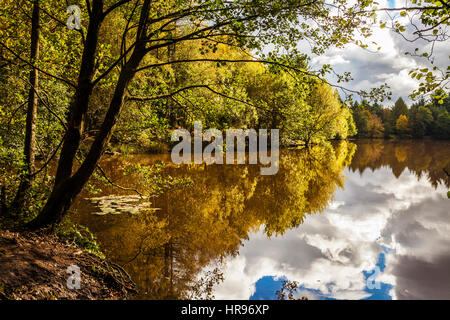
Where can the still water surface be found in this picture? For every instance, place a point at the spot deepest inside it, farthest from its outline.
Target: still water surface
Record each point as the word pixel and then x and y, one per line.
pixel 363 220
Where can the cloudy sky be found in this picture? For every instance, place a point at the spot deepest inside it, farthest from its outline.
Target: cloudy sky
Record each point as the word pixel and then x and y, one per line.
pixel 379 230
pixel 389 65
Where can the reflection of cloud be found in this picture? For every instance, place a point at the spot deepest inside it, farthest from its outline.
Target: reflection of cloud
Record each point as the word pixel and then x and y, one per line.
pixel 418 279
pixel 329 251
pixel 421 237
pixel 238 284
pixel 301 253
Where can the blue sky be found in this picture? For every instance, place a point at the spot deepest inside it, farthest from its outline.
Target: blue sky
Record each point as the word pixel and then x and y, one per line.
pixel 266 287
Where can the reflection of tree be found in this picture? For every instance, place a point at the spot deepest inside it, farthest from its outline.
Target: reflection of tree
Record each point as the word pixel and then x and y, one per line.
pixel 401 153
pixel 422 157
pixel 304 184
pixel 288 291
pixel 176 252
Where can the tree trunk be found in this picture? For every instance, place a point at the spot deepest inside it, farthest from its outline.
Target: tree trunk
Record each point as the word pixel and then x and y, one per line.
pixel 3 208
pixel 77 114
pixel 67 187
pixel 82 96
pixel 63 194
pixel 27 176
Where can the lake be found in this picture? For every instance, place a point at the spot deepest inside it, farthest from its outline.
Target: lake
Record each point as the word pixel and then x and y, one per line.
pixel 367 219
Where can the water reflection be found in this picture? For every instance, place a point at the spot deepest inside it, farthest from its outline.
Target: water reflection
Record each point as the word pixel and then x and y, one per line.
pixel 236 234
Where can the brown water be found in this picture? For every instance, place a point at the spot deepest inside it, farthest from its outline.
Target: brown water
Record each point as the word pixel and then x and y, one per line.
pixel 363 220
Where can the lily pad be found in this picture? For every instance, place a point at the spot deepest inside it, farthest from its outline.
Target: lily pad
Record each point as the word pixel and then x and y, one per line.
pixel 114 204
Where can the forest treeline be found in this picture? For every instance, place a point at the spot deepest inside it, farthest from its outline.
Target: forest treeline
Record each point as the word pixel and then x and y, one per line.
pixel 421 119
pixel 231 95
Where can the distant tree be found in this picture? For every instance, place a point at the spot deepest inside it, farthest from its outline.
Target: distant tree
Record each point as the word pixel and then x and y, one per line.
pixel 421 121
pixel 443 125
pixel 374 126
pixel 360 117
pixel 386 115
pixel 402 124
pixel 377 109
pixel 387 123
pixel 400 108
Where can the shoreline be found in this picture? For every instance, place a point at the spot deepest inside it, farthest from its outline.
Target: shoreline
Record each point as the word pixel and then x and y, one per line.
pixel 34 266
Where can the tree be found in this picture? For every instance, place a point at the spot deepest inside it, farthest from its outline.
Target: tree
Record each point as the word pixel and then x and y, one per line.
pixel 376 108
pixel 33 57
pixel 402 124
pixel 27 176
pixel 374 126
pixel 361 118
pixel 426 24
pixel 400 108
pixel 387 122
pixel 443 125
pixel 323 117
pixel 352 129
pixel 422 121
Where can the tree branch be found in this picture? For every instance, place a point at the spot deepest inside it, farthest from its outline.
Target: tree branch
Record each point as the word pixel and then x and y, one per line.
pixel 35 67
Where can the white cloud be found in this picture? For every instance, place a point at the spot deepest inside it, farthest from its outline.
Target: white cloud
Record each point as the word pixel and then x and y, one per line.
pixel 371 68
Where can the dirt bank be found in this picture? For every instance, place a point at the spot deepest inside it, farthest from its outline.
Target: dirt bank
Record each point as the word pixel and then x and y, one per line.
pixel 34 266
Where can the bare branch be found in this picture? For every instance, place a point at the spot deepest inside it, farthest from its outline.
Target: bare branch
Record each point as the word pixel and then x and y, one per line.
pixel 115 184
pixel 115 6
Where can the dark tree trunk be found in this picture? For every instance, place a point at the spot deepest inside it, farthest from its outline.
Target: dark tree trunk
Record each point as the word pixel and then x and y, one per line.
pixel 77 114
pixel 68 186
pixel 27 176
pixel 3 208
pixel 172 114
pixel 63 194
pixel 82 96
